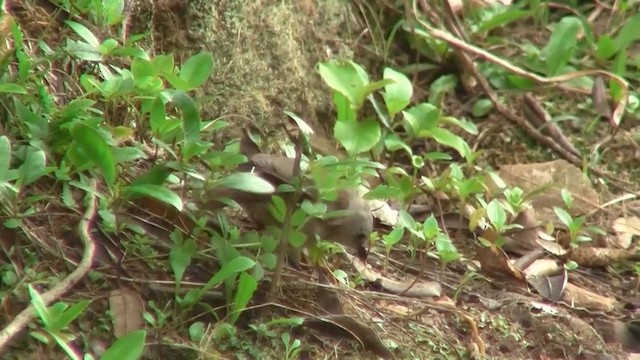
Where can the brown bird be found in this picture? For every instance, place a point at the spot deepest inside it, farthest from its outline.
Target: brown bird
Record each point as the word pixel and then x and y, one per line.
pixel 351 230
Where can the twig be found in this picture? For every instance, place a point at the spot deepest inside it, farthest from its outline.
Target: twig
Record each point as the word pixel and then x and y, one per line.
pixel 27 315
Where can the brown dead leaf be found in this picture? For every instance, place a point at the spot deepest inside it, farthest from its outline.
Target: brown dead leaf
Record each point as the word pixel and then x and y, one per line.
pixel 520 241
pixel 126 306
pixel 625 229
pixel 495 263
pixel 545 182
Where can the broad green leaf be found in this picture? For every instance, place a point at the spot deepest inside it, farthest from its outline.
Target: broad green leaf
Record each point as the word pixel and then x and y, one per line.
pixel 344 77
pixel 358 136
pixel 163 64
pixel 197 69
pixel 248 182
pixel 84 33
pixel 96 148
pixel 128 347
pixel 430 227
pixel 496 214
pixel 562 45
pixel 33 168
pixel 606 48
pixel 421 117
pixel 297 238
pixel 12 88
pixel 158 192
pixel 393 237
pixel 154 176
pixel 446 249
pixel 463 124
pixel 397 95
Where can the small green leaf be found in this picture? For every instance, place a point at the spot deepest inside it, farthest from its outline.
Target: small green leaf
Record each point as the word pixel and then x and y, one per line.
pixel 297 238
pixel 197 69
pixel 446 249
pixel 430 227
pixel 278 208
pixel 446 137
pixel 482 107
pixel 421 117
pixel 96 148
pixel 238 264
pixel 393 237
pixel 502 19
pixel 64 319
pixel 128 347
pixel 358 136
pixel 180 257
pixel 39 306
pixel 398 94
pixel 564 216
pixel 84 33
pixel 629 32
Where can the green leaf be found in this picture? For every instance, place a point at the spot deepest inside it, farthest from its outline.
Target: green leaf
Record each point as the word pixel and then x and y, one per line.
pixel 442 86
pixel 606 48
pixel 5 157
pixel 190 115
pixel 345 78
pixel 629 32
pixel 502 19
pixel 393 237
pixel 84 33
pixel 564 216
pixel 446 137
pixel 128 347
pixel 562 45
pixel 430 227
pixel 33 168
pixel 496 214
pixel 398 94
pixel 157 175
pixel 247 286
pixel 482 107
pixel 12 88
pixel 238 264
pixel 158 192
pixel 65 318
pixel 96 148
pixel 357 136
pixel 297 238
pixel 197 69
pixel 248 182
pixel 421 117
pixel 278 208
pixel 180 257
pixel 446 249
pixel 39 306
pixel 463 124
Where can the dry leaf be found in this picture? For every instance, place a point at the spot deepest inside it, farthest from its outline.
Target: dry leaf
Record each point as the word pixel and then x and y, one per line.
pixel 126 307
pixel 625 229
pixel 545 182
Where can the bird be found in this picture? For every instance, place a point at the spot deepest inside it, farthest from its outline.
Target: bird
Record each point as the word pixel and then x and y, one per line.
pixel 351 230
